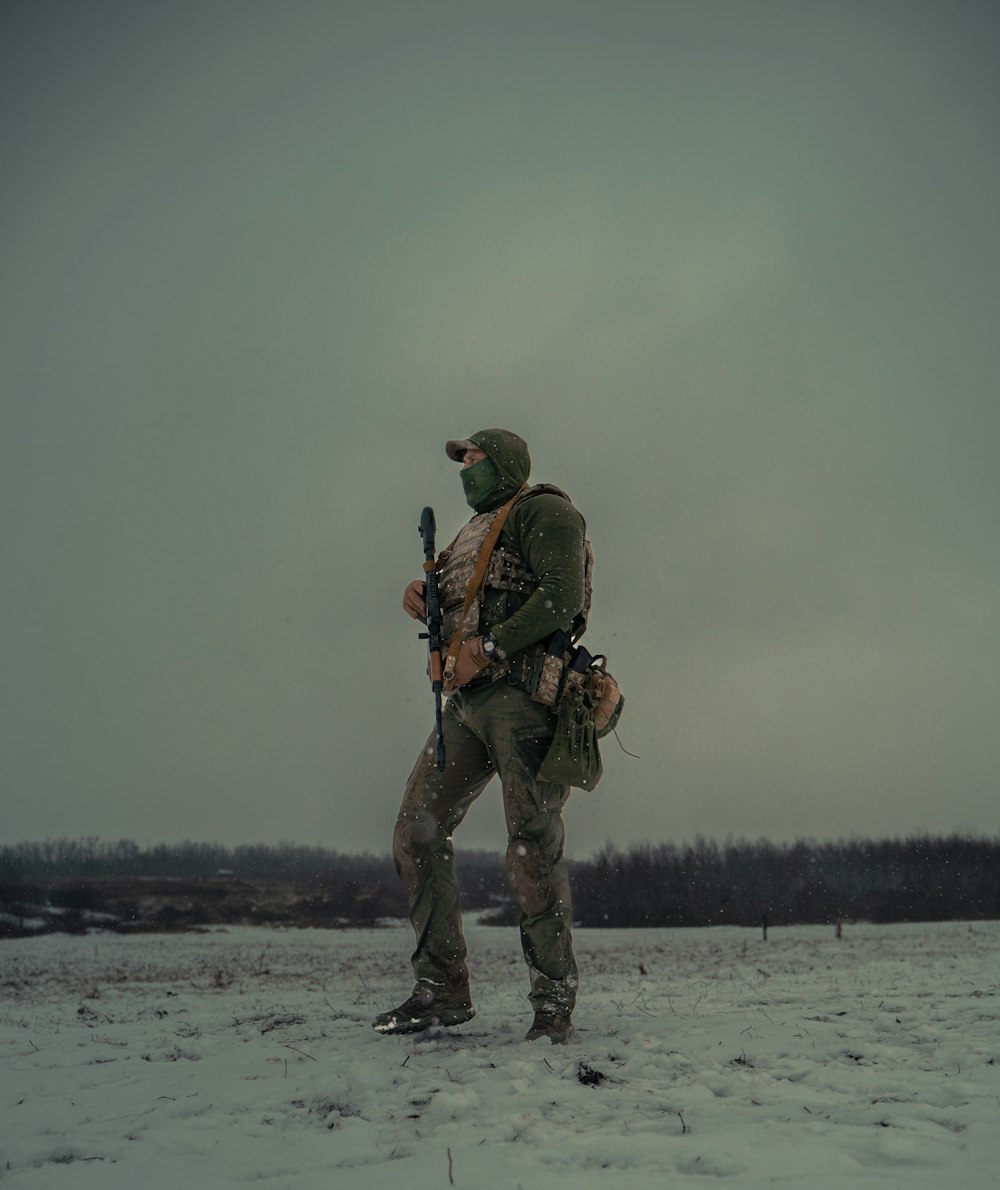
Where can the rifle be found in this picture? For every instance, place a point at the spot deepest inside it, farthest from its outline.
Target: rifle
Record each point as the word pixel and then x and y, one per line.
pixel 432 598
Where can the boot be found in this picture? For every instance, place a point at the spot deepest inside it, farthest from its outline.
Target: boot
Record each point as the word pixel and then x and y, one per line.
pixel 429 1004
pixel 556 1026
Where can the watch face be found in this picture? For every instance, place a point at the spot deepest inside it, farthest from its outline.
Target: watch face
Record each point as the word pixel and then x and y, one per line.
pixel 489 647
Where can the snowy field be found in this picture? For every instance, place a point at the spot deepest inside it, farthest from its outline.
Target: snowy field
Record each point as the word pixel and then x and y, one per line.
pixel 244 1057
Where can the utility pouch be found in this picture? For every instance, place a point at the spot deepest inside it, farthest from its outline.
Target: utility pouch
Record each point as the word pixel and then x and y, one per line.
pixel 605 694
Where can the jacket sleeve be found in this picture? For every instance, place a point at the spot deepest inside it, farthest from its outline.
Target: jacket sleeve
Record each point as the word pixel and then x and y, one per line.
pixel 548 533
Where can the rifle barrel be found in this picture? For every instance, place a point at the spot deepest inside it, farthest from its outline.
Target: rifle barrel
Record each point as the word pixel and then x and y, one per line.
pixel 434 622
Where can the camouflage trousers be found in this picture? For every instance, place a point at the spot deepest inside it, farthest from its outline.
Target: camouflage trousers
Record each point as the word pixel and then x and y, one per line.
pixel 495 729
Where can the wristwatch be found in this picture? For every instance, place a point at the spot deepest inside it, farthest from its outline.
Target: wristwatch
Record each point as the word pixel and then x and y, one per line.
pixel 492 649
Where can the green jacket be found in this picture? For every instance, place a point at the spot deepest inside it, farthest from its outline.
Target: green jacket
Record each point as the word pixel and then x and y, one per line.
pixel 547 533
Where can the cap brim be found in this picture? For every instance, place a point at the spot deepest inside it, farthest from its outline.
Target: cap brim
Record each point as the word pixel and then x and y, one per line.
pixel 455 448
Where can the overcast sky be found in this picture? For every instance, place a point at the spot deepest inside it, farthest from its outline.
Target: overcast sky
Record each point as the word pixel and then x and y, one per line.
pixel 731 267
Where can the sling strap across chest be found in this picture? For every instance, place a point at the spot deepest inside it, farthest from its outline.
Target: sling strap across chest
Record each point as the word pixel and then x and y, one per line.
pixel 476 581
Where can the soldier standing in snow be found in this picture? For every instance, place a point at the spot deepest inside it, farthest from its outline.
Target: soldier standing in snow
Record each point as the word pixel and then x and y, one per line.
pixel 535 584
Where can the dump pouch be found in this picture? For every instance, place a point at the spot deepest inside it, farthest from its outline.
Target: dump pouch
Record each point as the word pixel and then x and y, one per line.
pixel 573 757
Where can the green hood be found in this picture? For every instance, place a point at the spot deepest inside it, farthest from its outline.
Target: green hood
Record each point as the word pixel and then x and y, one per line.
pixel 510 456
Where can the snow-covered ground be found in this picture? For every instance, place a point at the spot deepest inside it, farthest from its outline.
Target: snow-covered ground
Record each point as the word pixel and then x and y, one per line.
pixel 244 1057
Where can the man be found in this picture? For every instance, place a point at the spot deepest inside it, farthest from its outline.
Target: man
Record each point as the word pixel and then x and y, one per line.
pixel 534 585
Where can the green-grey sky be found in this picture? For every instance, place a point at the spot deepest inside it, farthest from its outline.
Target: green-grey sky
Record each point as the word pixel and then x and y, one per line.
pixel 732 267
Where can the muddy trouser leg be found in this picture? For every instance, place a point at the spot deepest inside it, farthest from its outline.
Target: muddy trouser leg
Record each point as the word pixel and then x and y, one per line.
pixel 518 732
pixel 433 806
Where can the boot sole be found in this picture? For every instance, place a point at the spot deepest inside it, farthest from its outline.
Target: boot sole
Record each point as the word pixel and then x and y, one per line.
pixel 556 1036
pixel 389 1024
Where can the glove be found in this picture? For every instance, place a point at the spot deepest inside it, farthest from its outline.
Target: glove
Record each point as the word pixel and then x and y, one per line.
pixel 413 600
pixel 470 660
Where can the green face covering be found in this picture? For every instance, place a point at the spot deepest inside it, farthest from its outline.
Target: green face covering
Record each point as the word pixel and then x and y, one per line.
pixel 480 482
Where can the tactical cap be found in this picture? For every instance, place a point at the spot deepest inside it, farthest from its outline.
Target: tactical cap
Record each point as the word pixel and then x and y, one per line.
pixel 507 450
pixel 455 448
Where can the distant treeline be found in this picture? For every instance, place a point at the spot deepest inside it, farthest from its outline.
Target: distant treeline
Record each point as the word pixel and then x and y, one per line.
pixel 181 861
pixel 705 883
pixel 689 884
